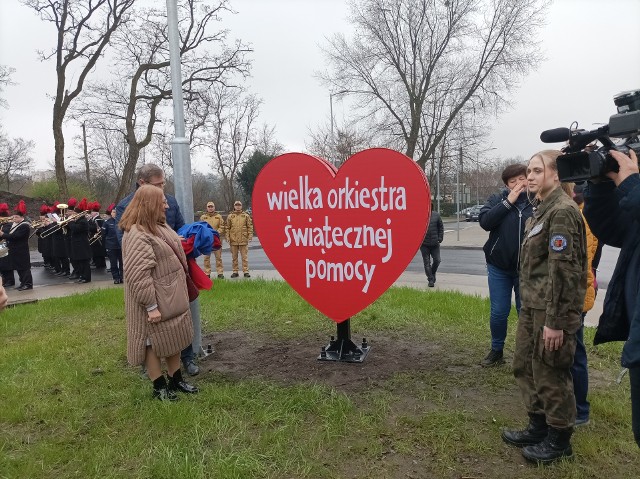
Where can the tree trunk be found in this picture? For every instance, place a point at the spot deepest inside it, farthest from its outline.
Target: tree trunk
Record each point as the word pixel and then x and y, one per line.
pixel 129 171
pixel 85 151
pixel 58 140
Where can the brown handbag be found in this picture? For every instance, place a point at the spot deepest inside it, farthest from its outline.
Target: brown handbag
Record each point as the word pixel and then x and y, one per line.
pixel 192 289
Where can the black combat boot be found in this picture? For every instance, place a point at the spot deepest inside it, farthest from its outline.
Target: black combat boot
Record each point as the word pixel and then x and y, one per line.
pixel 557 445
pixel 534 433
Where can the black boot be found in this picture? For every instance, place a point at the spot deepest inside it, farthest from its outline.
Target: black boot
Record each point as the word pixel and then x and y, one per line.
pixel 557 445
pixel 160 390
pixel 535 432
pixel 176 383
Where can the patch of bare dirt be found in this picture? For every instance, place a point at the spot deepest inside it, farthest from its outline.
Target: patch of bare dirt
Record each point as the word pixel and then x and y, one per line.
pixel 241 355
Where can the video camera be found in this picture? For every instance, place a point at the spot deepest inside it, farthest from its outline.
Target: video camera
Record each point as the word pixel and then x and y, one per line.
pixel 583 159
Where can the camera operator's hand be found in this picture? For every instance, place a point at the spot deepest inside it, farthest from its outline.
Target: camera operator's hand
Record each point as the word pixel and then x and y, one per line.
pixel 628 166
pixel 515 192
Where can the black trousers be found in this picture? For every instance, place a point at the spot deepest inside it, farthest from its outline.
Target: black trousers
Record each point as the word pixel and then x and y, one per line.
pixel 25 277
pixel 8 277
pixel 82 267
pixel 430 268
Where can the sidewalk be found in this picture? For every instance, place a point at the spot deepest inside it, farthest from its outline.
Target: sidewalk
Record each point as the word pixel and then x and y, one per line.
pixel 469 236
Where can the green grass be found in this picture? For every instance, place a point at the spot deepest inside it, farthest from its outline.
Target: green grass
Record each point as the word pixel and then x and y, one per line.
pixel 70 406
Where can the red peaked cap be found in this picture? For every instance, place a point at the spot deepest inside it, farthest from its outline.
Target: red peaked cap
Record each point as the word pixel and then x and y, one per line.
pixel 110 208
pixel 4 209
pixel 53 209
pixel 21 208
pixel 82 206
pixel 95 206
pixel 72 203
pixel 44 209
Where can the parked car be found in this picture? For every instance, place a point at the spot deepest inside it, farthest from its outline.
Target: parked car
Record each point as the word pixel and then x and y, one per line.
pixel 473 213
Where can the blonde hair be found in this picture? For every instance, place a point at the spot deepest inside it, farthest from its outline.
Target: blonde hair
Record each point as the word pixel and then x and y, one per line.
pixel 548 158
pixel 146 210
pixel 568 188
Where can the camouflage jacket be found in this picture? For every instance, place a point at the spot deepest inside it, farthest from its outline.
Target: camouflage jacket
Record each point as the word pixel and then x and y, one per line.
pixel 553 262
pixel 239 228
pixel 216 222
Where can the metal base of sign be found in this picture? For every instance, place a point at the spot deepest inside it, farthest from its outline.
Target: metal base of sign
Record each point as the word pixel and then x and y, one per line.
pixel 342 348
pixel 208 351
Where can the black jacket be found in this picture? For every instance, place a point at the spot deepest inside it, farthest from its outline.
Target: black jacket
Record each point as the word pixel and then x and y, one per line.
pixel 435 231
pixel 505 223
pixel 613 215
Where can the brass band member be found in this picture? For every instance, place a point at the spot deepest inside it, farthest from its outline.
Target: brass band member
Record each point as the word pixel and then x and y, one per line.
pixel 59 244
pixel 44 244
pixel 8 277
pixel 97 247
pixel 18 239
pixel 79 247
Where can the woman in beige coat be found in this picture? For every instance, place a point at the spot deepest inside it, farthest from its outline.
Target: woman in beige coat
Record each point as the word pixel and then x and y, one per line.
pixel 156 298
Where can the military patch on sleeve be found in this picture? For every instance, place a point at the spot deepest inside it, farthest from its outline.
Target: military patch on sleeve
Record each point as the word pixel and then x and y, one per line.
pixel 558 243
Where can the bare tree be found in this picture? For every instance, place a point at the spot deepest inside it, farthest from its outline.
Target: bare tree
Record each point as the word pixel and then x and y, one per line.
pixel 266 141
pixel 416 65
pixel 5 80
pixel 84 30
pixel 132 103
pixel 229 133
pixel 15 157
pixel 347 140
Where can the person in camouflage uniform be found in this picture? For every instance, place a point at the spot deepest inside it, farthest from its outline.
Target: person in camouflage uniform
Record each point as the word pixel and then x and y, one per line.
pixel 216 221
pixel 553 279
pixel 239 233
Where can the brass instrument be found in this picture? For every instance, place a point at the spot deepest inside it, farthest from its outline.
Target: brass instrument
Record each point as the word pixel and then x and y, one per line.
pixel 36 225
pixel 64 222
pixel 96 237
pixel 6 219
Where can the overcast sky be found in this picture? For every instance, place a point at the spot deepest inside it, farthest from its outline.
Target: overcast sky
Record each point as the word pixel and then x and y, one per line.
pixel 591 48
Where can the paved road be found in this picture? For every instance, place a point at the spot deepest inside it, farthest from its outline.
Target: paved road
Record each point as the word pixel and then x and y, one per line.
pixel 462 258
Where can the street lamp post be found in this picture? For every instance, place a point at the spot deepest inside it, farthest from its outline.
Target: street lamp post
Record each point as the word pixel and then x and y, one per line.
pixel 331 95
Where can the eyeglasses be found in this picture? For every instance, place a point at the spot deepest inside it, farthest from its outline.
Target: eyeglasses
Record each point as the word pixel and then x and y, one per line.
pixel 159 184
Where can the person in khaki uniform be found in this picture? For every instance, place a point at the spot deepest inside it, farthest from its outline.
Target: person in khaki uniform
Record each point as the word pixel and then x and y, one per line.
pixel 553 281
pixel 239 233
pixel 217 223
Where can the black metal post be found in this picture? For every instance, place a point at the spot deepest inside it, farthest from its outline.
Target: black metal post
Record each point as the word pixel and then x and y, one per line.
pixel 342 348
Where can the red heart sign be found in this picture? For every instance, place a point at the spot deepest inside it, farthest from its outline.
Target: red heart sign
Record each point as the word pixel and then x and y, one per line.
pixel 341 238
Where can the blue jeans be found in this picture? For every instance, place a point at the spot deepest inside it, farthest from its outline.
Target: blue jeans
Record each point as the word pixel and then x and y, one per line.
pixel 634 378
pixel 580 373
pixel 501 283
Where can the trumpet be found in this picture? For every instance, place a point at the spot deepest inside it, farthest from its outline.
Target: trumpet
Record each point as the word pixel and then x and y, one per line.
pixel 6 219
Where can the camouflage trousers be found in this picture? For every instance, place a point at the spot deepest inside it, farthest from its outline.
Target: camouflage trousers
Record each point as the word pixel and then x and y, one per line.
pixel 544 377
pixel 207 262
pixel 243 249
